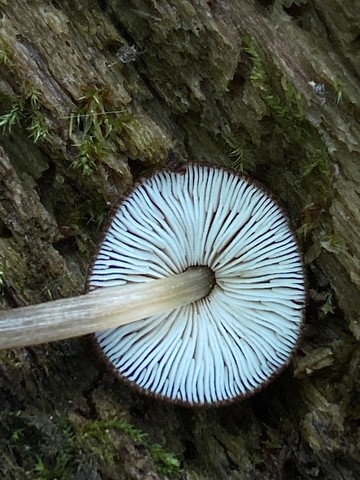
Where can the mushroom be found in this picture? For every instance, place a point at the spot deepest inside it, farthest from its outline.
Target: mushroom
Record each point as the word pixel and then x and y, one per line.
pixel 221 252
pixel 230 343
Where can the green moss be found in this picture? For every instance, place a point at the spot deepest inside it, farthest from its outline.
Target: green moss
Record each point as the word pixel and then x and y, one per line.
pixel 94 118
pixel 5 54
pixel 47 463
pixel 89 151
pixel 338 89
pixel 242 158
pixel 328 305
pixel 60 464
pixel 298 141
pixel 38 130
pixel 315 177
pixel 33 98
pixel 12 118
pixel 99 429
pixel 285 104
pixel 97 440
pixel 94 129
pixel 165 462
pixel 17 435
pixel 40 470
pixel 55 470
pixel 4 58
pixel 25 111
pixel 9 360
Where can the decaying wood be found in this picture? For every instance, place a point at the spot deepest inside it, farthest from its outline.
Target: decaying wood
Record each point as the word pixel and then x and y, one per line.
pixel 106 91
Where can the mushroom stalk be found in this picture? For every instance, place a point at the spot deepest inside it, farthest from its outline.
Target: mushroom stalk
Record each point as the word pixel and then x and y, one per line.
pixel 102 308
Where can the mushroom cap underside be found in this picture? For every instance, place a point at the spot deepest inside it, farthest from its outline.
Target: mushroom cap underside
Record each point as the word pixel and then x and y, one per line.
pixel 232 342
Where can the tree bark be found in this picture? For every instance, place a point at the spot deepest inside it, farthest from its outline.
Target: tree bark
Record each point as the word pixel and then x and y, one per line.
pixel 93 95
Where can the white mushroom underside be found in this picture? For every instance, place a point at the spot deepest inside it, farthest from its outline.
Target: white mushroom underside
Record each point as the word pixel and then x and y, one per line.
pixel 231 342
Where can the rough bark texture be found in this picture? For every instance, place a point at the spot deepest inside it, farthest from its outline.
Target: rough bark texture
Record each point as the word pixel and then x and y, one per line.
pixel 268 87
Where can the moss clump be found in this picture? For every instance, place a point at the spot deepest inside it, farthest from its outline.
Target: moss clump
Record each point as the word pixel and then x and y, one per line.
pixel 12 118
pixel 289 103
pixel 4 57
pixel 242 157
pixel 165 462
pixel 26 111
pixel 315 177
pixel 57 443
pixel 95 128
pixel 38 129
pixel 292 136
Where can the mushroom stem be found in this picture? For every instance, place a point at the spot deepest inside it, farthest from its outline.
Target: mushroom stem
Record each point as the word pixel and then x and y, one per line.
pixel 102 308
